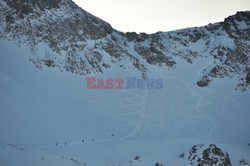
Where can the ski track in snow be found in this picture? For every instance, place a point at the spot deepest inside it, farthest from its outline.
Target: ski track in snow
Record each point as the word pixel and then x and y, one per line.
pixel 136 103
pixel 197 106
pixel 132 105
pixel 199 103
pixel 73 143
pixel 46 149
pixel 134 100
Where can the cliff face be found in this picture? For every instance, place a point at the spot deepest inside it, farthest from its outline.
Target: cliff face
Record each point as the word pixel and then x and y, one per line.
pixel 78 42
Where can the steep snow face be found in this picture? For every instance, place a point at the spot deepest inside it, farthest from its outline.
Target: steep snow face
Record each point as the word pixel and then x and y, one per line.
pixel 83 44
pixel 48 117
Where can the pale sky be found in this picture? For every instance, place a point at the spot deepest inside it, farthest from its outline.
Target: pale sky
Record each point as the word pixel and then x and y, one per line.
pixel 161 15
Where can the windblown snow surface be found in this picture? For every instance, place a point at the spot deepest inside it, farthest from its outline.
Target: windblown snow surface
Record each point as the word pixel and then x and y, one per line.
pixel 48 117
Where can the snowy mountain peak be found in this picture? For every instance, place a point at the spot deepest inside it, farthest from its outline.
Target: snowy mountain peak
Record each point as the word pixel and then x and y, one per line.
pixel 81 43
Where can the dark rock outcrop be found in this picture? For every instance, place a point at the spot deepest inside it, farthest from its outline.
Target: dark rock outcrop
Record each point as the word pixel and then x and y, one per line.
pixel 200 155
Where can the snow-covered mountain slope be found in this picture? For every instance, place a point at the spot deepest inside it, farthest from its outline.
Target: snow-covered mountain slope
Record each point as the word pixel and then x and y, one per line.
pixel 81 43
pixel 48 117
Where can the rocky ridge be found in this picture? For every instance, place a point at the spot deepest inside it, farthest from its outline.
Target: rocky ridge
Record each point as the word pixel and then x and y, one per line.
pixel 200 155
pixel 80 43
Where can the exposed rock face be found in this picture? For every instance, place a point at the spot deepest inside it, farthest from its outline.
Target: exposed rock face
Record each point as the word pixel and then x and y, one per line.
pixel 68 31
pixel 244 162
pixel 234 61
pixel 200 155
pixel 204 81
pixel 248 75
pixel 81 43
pixel 26 6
